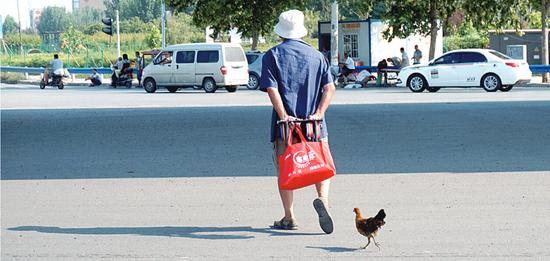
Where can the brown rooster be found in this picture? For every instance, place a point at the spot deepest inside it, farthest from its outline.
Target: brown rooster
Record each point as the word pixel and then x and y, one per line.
pixel 369 227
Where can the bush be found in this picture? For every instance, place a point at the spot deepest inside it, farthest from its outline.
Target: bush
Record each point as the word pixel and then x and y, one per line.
pixel 28 40
pixel 467 37
pixel 9 77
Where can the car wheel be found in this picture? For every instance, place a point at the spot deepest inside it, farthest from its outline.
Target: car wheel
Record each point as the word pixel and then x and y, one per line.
pixel 491 82
pixel 172 89
pixel 60 86
pixel 253 82
pixel 505 88
pixel 433 89
pixel 231 88
pixel 209 85
pixel 42 85
pixel 150 85
pixel 417 83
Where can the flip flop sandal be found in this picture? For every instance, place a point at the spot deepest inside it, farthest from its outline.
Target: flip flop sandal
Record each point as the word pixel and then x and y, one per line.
pixel 285 224
pixel 325 221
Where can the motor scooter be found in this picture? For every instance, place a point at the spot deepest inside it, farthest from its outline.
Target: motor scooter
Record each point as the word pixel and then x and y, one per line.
pixel 56 79
pixel 124 79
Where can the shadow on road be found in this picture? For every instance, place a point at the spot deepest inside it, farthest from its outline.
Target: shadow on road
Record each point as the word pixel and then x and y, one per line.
pixel 211 233
pixel 234 141
pixel 335 249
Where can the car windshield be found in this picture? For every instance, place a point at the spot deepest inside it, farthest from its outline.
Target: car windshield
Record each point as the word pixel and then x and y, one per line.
pixel 500 55
pixel 234 54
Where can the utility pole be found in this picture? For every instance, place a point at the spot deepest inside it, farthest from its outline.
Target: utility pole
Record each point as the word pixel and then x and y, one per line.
pixel 20 38
pixel 334 34
pixel 163 24
pixel 117 35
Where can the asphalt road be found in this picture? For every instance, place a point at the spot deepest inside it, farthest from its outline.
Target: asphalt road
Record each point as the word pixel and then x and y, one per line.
pixel 234 141
pixel 462 174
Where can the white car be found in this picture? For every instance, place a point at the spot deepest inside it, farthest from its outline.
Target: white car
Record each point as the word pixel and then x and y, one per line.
pixel 484 68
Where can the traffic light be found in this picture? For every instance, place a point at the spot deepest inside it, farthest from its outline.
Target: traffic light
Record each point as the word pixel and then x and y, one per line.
pixel 108 25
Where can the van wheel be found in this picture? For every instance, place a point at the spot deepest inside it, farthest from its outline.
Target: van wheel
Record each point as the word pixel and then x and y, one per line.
pixel 172 89
pixel 150 85
pixel 209 85
pixel 231 88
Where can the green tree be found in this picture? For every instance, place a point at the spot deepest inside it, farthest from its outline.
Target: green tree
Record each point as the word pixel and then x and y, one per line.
pixel 347 9
pixel 252 18
pixel 84 17
pixel 154 38
pixel 145 10
pixel 466 37
pixel 110 8
pixel 134 25
pixel 10 26
pixel 182 22
pixel 53 19
pixel 407 17
pixel 73 39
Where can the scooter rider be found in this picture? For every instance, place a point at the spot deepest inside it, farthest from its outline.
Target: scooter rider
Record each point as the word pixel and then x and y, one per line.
pixel 55 67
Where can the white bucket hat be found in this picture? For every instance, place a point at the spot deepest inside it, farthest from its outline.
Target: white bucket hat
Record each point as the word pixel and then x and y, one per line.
pixel 291 25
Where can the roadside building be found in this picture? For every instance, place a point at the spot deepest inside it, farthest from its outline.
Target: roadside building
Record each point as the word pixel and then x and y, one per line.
pixel 365 43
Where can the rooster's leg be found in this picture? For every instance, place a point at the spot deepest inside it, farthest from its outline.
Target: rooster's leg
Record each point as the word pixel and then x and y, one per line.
pixel 367 243
pixel 376 244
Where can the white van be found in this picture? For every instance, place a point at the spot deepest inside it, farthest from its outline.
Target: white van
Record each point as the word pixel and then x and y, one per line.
pixel 209 65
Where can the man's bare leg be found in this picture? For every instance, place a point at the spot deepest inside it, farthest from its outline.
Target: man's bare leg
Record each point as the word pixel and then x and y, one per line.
pixel 287 196
pixel 323 188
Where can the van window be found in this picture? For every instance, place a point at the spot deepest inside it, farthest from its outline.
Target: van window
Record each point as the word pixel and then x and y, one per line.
pixel 208 56
pixel 185 57
pixel 234 54
pixel 164 58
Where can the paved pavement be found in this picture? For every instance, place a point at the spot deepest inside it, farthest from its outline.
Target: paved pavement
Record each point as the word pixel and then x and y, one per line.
pixel 31 97
pixel 458 180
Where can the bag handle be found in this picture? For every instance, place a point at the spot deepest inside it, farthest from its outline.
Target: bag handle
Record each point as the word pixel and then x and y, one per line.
pixel 298 129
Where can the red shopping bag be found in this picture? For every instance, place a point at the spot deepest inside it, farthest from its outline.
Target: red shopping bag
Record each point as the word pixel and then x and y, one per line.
pixel 304 163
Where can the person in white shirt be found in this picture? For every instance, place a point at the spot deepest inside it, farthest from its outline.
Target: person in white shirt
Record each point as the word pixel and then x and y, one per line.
pixel 404 58
pixel 348 66
pixel 95 78
pixel 54 67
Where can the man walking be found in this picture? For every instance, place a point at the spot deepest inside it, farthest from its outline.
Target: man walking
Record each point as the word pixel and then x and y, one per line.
pixel 299 84
pixel 417 56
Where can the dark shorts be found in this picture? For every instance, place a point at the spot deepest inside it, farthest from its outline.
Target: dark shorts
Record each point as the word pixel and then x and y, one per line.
pixel 346 71
pixel 96 82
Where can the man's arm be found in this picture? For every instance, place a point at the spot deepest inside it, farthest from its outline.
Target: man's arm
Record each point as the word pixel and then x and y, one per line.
pixel 277 102
pixel 328 92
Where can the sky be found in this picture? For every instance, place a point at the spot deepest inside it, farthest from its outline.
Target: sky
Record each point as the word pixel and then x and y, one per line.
pixel 9 7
